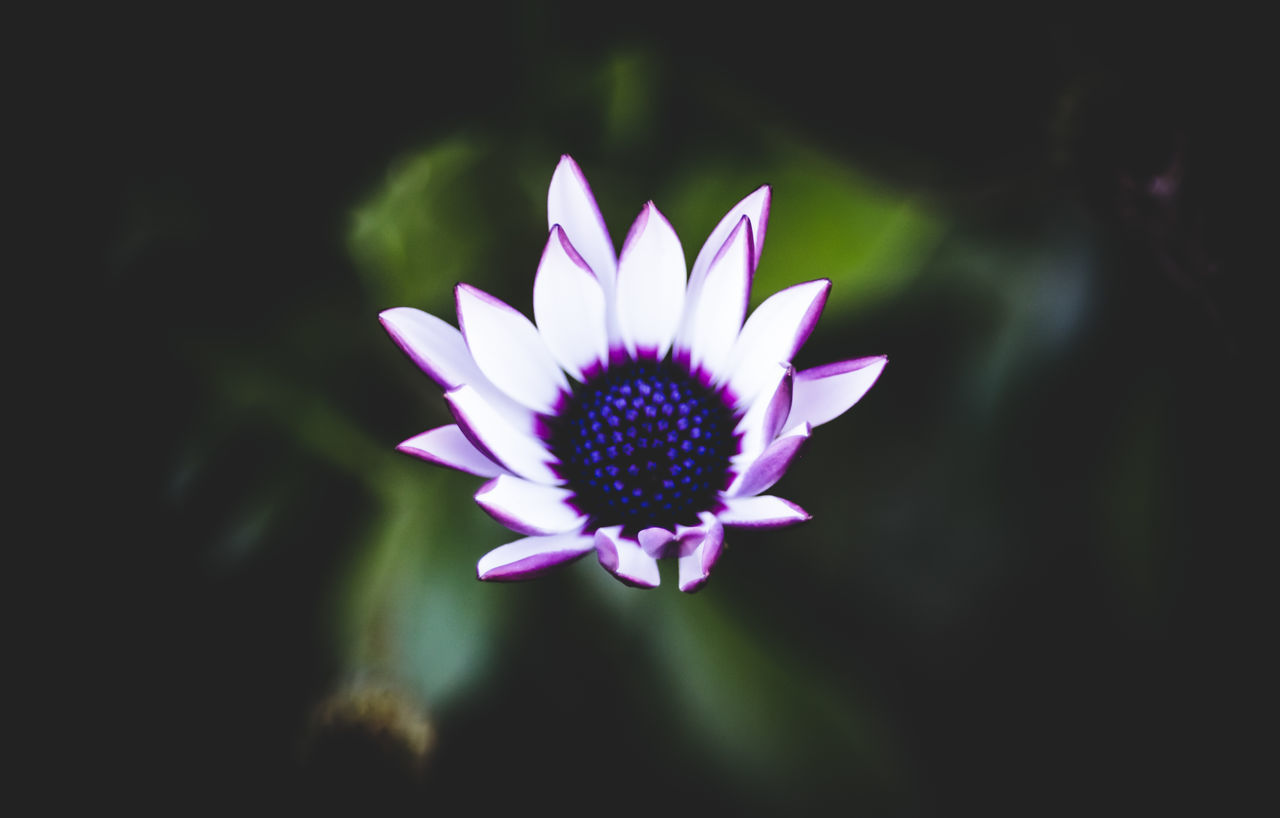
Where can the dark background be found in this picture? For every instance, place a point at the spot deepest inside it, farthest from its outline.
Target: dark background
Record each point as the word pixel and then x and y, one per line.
pixel 1032 584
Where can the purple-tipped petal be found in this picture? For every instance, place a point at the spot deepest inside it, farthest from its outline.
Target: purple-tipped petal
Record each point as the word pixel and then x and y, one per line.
pixel 761 511
pixel 770 466
pixel 439 349
pixel 689 537
pixel 700 547
pixel 625 559
pixel 508 349
pixel 433 344
pixel 755 207
pixel 773 333
pixel 486 428
pixel 532 556
pixel 448 446
pixel 571 204
pixel 779 405
pixel 765 415
pixel 569 307
pixel 827 392
pixel 529 508
pixel 650 297
pixel 714 316
pixel 654 541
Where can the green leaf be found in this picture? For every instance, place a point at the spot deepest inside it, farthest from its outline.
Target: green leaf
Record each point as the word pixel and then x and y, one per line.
pixel 413 610
pixel 827 221
pixel 423 230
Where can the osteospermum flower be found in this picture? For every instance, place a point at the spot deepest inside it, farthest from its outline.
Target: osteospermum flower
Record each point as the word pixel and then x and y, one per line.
pixel 637 416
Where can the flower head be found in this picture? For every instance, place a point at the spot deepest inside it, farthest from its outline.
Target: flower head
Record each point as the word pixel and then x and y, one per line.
pixel 638 415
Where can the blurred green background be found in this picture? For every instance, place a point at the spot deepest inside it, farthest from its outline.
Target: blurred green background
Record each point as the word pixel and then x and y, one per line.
pixel 1025 588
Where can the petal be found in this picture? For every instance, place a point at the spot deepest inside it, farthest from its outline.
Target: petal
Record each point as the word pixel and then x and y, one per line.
pixel 765 415
pixel 688 538
pixel 527 558
pixel 754 207
pixel 773 333
pixel 439 349
pixel 761 511
pixel 770 466
pixel 529 508
pixel 502 443
pixel 650 298
pixel 433 344
pixel 625 559
pixel 700 548
pixel 448 446
pixel 826 392
pixel 654 541
pixel 714 317
pixel 569 307
pixel 571 205
pixel 508 349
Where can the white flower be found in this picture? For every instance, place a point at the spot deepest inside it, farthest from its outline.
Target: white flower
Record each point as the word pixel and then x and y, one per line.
pixel 639 415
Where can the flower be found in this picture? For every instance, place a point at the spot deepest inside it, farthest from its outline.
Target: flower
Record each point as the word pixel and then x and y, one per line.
pixel 638 415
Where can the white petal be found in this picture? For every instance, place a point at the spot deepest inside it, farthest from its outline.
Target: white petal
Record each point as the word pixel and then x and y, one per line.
pixel 761 511
pixel 508 349
pixel 700 548
pixel 433 344
pixel 485 427
pixel 651 281
pixel 826 392
pixel 440 350
pixel 571 205
pixel 625 559
pixel 569 307
pixel 448 446
pixel 773 334
pixel 756 208
pixel 765 415
pixel 527 558
pixel 772 464
pixel 529 508
pixel 714 317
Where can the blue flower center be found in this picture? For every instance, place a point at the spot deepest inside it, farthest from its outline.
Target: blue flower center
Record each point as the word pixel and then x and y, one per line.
pixel 644 444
